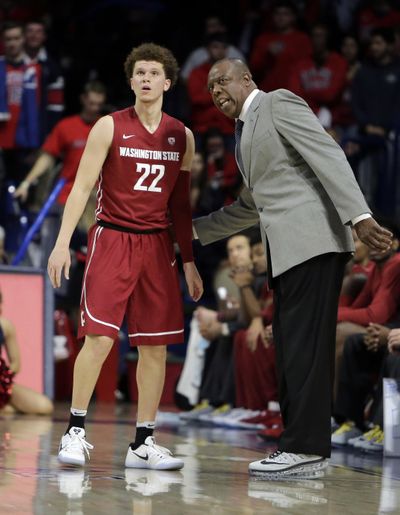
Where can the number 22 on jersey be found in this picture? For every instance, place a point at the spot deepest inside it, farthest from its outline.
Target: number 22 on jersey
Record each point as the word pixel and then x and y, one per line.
pixel 146 169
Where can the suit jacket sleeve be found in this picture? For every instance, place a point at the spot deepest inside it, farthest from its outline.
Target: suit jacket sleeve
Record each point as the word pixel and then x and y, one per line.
pixel 296 123
pixel 229 220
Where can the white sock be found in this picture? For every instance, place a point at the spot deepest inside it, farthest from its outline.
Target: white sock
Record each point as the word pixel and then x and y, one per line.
pixel 78 412
pixel 147 424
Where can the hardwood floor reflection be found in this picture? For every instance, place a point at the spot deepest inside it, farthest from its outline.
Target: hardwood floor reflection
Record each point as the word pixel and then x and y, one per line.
pixel 213 481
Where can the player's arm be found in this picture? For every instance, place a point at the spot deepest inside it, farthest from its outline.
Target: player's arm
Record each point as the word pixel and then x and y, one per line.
pixel 92 160
pixel 43 163
pixel 11 345
pixel 179 202
pixel 181 215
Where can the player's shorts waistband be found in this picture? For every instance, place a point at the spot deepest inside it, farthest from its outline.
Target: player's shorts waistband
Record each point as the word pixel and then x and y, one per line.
pixel 121 228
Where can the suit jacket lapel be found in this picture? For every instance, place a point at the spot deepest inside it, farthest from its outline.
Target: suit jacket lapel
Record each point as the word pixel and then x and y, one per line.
pixel 240 164
pixel 247 134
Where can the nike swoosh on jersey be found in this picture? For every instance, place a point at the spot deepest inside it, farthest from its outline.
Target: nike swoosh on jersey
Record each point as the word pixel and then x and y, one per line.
pixel 145 458
pixel 127 136
pixel 173 262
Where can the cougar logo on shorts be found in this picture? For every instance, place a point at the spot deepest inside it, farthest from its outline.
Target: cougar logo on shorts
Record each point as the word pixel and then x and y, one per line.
pixel 82 318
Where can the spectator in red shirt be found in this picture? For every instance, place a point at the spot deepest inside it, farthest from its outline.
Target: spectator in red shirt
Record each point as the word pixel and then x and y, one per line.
pixel 198 56
pixel 377 14
pixel 204 113
pixel 321 78
pixel 275 52
pixel 67 141
pixel 379 300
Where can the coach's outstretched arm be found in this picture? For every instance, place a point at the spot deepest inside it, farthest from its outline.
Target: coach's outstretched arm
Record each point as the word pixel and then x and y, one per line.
pixel 229 220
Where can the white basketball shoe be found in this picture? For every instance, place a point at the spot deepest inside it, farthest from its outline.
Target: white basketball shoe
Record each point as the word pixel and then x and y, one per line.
pixel 152 456
pixel 74 448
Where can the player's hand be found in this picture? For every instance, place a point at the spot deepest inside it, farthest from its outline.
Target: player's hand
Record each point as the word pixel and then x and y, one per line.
pixel 22 191
pixel 193 280
pixel 59 259
pixel 372 234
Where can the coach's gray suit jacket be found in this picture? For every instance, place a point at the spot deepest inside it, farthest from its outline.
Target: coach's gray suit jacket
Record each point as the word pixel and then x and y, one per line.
pixel 298 185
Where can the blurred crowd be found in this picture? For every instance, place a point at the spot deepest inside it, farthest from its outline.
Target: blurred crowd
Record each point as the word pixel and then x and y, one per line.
pixel 61 68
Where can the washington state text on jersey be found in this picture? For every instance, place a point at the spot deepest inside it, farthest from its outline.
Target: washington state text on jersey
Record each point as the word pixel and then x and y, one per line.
pixel 141 153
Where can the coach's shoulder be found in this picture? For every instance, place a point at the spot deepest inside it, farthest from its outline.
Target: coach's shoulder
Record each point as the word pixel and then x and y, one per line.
pixel 285 95
pixel 284 100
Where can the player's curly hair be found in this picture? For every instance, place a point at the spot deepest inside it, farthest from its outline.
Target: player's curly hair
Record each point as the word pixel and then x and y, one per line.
pixel 153 52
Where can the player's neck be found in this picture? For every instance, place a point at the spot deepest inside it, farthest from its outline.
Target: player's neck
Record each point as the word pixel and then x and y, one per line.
pixel 149 114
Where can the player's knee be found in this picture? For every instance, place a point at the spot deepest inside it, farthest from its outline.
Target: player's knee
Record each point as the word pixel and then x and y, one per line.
pixel 153 352
pixel 99 347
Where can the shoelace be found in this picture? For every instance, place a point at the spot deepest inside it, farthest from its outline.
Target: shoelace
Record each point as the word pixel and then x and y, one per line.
pixel 79 442
pixel 159 449
pixel 274 455
pixel 286 456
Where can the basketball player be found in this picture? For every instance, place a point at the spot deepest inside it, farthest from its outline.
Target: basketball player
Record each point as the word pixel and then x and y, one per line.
pixel 141 158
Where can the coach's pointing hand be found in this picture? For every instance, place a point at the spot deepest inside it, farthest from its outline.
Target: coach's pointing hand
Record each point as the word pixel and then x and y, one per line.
pixel 60 258
pixel 193 280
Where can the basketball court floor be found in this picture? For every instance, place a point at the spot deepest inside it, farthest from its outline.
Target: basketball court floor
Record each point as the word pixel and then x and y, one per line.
pixel 213 481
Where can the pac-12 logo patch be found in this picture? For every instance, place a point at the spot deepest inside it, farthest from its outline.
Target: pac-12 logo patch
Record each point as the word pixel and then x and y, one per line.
pixel 171 141
pixel 82 318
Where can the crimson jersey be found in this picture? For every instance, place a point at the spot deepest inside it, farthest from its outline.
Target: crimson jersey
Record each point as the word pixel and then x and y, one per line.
pixel 140 172
pixel 67 140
